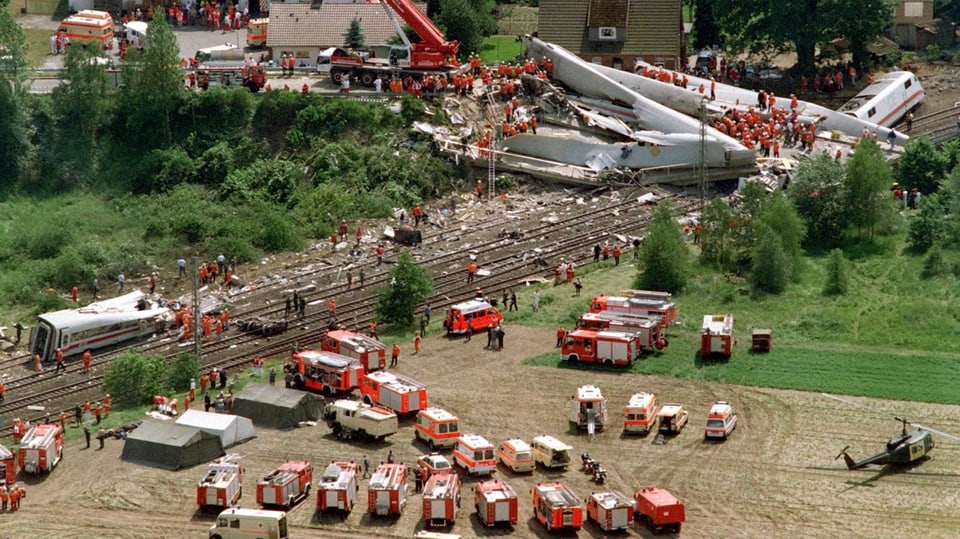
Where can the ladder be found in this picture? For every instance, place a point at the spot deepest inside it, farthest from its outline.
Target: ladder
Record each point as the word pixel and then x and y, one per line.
pixel 492 154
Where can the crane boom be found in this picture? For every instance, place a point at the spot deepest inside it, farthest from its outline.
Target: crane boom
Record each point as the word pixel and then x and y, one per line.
pixel 431 38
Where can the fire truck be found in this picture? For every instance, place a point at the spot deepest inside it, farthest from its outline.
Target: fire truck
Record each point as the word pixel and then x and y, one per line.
pixel 432 54
pixel 286 485
pixel 610 510
pixel 475 454
pixel 441 499
pixel 370 352
pixel 716 335
pixel 659 509
pixel 495 502
pixel 232 73
pixel 646 330
pixel 475 313
pixel 387 493
pixel 338 487
pixel 41 449
pixel 401 394
pixel 640 413
pixel 221 486
pixel 663 310
pixel 557 507
pixel 607 347
pixel 8 471
pixel 326 372
pixel 588 409
pixel 352 419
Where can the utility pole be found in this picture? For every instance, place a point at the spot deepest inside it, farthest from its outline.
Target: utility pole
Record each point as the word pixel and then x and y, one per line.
pixel 702 168
pixel 196 309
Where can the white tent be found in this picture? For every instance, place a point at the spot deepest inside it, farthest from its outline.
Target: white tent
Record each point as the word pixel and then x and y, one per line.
pixel 232 429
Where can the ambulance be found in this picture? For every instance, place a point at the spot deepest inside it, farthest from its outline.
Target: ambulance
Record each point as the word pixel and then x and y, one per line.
pixel 475 454
pixel 495 502
pixel 257 32
pixel 550 452
pixel 640 413
pixel 89 27
pixel 588 409
pixel 437 427
pixel 237 523
pixel 476 313
pixel 516 455
pixel 720 421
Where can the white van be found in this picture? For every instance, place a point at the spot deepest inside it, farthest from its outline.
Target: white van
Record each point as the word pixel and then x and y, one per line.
pixel 250 523
pixel 550 452
pixel 516 455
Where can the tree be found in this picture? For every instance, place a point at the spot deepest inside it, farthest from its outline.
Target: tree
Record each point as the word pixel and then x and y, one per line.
pixel 80 105
pixel 354 38
pixel 816 192
pixel 780 215
pixel 468 21
pixel 14 135
pixel 13 44
pixel 861 22
pixel 837 283
pixel 928 227
pixel 771 267
pixel 867 188
pixel 705 33
pixel 663 256
pixel 410 285
pixel 181 371
pixel 921 166
pixel 716 244
pixel 933 264
pixel 134 378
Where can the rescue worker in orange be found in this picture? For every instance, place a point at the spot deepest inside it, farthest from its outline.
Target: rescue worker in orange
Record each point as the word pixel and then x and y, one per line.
pixel 75 294
pixel 416 343
pixel 471 271
pixel 59 361
pixel 332 311
pixel 98 412
pixel 3 389
pixel 417 214
pixel 479 190
pixel 107 402
pixel 4 498
pixel 373 329
pixel 395 355
pixel 37 363
pixel 616 255
pixel 359 236
pixel 561 333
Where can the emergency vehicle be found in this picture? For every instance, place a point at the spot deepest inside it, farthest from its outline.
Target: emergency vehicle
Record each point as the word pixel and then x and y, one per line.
pixel 588 409
pixel 257 32
pixel 672 418
pixel 495 502
pixel 286 485
pixel 607 347
pixel 716 335
pixel 475 454
pixel 8 471
pixel 221 485
pixel 401 394
pixel 646 330
pixel 432 464
pixel 89 27
pixel 557 507
pixel 370 352
pixel 610 510
pixel 476 313
pixel 338 487
pixel 516 455
pixel 720 421
pixel 441 499
pixel 640 413
pixel 235 74
pixel 550 452
pixel 387 493
pixel 326 372
pixel 659 509
pixel 353 419
pixel 41 448
pixel 237 523
pixel 663 310
pixel 437 427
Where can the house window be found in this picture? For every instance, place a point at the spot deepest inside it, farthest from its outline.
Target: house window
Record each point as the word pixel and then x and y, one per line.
pixel 608 33
pixel 913 9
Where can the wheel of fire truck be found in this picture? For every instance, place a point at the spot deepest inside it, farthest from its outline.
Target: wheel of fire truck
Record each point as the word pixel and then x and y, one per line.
pixel 337 430
pixel 661 343
pixel 368 400
pixel 608 362
pixel 336 75
pixel 367 78
pixel 572 357
pixel 252 86
pixel 216 537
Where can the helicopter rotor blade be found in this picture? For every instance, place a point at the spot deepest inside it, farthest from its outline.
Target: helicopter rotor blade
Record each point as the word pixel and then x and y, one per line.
pixel 940 432
pixel 854 403
pixel 842 451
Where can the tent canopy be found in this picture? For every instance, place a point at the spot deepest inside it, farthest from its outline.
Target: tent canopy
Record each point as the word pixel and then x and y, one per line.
pixel 170 446
pixel 230 428
pixel 277 407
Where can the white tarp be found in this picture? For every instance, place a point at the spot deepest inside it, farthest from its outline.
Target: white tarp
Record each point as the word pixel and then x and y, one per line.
pixel 232 429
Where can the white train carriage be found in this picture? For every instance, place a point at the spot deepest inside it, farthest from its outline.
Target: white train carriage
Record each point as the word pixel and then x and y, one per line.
pixel 98 325
pixel 886 100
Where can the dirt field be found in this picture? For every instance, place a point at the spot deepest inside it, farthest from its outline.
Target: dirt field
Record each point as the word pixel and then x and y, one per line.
pixel 775 477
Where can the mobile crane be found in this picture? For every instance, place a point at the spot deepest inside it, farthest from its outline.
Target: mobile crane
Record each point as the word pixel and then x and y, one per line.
pixel 432 54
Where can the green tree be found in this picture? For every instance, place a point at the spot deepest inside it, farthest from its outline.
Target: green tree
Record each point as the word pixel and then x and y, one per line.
pixel 270 180
pixel 715 238
pixel 80 104
pixel 771 267
pixel 134 378
pixel 867 188
pixel 933 265
pixel 181 371
pixel 663 256
pixel 14 135
pixel 837 282
pixel 928 227
pixel 921 166
pixel 861 22
pixel 409 286
pixel 816 192
pixel 705 32
pixel 353 38
pixel 468 21
pixel 780 215
pixel 13 44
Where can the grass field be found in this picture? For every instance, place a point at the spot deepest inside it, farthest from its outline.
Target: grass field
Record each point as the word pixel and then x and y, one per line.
pixel 500 48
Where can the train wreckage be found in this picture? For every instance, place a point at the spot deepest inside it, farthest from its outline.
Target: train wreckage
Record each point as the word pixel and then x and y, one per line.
pixel 607 126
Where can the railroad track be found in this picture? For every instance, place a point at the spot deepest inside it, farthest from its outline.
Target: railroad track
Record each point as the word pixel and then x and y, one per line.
pixel 555 239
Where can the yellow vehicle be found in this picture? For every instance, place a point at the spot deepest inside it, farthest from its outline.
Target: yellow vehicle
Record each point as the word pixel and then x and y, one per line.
pixel 516 455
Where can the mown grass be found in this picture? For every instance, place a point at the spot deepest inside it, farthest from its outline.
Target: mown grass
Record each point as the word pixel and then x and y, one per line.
pixel 893 336
pixel 500 48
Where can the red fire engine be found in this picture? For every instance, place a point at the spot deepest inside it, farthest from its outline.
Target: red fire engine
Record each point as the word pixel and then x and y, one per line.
pixel 607 347
pixel 441 499
pixel 286 485
pixel 399 393
pixel 8 472
pixel 41 449
pixel 475 313
pixel 370 352
pixel 663 309
pixel 326 372
pixel 610 510
pixel 659 509
pixel 556 506
pixel 338 487
pixel 647 330
pixel 221 485
pixel 716 335
pixel 496 502
pixel 387 493
pixel 232 74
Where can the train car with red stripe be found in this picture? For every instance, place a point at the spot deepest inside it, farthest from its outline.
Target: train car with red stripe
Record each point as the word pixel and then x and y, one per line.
pixel 887 99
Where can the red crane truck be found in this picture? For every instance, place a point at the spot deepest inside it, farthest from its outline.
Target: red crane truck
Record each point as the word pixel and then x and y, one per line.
pixel 338 487
pixel 286 485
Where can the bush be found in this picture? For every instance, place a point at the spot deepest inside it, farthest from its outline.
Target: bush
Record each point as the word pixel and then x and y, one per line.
pixel 933 265
pixel 134 378
pixel 269 180
pixel 837 283
pixel 181 371
pixel 410 285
